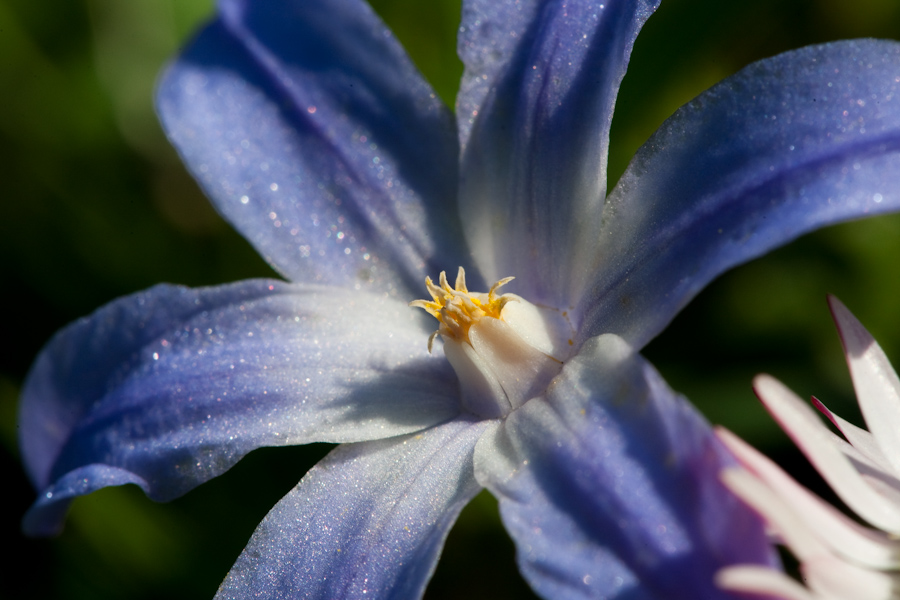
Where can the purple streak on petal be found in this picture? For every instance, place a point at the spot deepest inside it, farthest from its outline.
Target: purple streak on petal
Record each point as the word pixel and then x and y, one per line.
pixel 175 385
pixel 314 135
pixel 542 77
pixel 369 521
pixel 789 144
pixel 610 486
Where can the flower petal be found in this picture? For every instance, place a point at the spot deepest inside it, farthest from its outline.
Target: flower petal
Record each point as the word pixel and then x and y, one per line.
pixel 776 511
pixel 610 486
pixel 534 112
pixel 875 381
pixel 368 521
pixel 789 144
pixel 800 514
pixel 174 385
pixel 832 578
pixel 761 581
pixel 314 135
pixel 863 442
pixel 818 444
pixel 46 515
pixel 876 473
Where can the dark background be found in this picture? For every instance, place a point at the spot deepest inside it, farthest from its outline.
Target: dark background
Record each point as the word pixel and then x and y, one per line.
pixel 95 204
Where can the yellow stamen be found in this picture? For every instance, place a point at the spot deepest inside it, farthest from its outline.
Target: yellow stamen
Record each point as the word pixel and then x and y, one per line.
pixel 457 309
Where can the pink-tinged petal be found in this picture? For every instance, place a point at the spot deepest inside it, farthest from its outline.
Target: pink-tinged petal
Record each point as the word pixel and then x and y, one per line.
pixel 879 475
pixel 368 521
pixel 884 485
pixel 861 440
pixel 811 435
pixel 833 578
pixel 875 380
pixel 778 513
pixel 831 527
pixel 759 581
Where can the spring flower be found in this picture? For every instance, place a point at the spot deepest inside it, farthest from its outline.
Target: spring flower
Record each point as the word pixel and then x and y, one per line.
pixel 313 134
pixel 839 558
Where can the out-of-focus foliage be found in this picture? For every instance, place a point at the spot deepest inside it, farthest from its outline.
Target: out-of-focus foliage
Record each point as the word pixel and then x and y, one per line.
pixel 96 205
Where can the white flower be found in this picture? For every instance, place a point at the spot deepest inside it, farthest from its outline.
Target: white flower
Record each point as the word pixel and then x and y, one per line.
pixel 839 558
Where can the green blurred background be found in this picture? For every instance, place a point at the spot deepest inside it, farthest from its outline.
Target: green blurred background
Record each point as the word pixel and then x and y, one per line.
pixel 97 205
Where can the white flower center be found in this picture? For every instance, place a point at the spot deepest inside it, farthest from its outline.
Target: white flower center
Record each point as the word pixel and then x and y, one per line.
pixel 504 349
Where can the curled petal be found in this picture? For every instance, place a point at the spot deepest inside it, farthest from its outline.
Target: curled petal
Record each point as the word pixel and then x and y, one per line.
pixel 534 112
pixel 610 486
pixel 175 385
pixel 368 521
pixel 314 135
pixel 789 144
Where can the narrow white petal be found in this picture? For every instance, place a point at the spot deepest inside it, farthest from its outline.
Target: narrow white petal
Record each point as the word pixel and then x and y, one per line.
pixel 876 383
pixel 886 487
pixel 861 440
pixel 879 475
pixel 753 579
pixel 832 577
pixel 841 534
pixel 777 513
pixel 817 443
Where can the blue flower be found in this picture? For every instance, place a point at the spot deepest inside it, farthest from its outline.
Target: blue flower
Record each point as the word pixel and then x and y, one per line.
pixel 312 133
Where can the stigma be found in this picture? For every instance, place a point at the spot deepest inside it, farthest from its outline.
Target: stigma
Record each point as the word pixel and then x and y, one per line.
pixel 504 349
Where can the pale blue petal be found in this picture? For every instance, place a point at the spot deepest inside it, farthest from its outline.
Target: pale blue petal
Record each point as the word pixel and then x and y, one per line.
pixel 787 145
pixel 610 486
pixel 313 134
pixel 175 385
pixel 542 77
pixel 368 521
pixel 47 514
